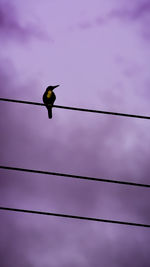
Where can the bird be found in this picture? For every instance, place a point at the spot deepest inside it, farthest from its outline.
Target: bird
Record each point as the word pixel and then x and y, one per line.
pixel 49 98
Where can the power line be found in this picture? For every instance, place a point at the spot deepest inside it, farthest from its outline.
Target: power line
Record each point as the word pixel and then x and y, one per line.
pixel 74 176
pixel 78 109
pixel 74 217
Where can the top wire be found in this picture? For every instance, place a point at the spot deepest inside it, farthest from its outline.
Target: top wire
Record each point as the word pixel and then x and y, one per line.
pixel 78 109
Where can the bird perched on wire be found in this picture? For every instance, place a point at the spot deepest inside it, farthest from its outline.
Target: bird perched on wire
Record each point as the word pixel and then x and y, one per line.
pixel 49 98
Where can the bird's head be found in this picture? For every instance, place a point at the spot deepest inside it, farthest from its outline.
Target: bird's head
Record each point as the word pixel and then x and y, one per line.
pixel 51 88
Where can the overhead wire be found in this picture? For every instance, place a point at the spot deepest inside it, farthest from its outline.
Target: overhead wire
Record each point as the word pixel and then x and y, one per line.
pixel 75 176
pixel 74 217
pixel 78 109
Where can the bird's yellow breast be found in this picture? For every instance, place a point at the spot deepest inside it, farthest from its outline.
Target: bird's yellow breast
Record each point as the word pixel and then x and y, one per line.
pixel 49 93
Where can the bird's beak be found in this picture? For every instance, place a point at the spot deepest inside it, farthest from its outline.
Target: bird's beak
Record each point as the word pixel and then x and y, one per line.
pixel 55 86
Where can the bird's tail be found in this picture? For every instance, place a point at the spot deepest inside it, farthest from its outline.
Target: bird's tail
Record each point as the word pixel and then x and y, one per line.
pixel 50 113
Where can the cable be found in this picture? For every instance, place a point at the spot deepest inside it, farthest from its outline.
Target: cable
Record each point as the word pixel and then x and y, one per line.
pixel 78 109
pixel 74 217
pixel 74 176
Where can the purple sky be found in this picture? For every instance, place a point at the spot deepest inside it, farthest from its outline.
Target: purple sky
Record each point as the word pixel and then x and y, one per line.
pixel 99 52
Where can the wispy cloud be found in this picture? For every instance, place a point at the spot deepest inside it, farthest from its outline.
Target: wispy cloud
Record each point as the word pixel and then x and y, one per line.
pixel 138 12
pixel 11 25
pixel 85 25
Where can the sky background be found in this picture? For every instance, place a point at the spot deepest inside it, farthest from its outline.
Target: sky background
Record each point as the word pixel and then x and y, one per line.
pixel 99 53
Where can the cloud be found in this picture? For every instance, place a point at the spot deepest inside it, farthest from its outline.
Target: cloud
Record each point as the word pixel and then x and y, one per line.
pixel 137 12
pixel 85 25
pixel 141 10
pixel 11 25
pixel 95 22
pixel 98 21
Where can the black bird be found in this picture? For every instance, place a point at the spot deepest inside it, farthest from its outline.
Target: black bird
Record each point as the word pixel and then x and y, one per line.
pixel 49 98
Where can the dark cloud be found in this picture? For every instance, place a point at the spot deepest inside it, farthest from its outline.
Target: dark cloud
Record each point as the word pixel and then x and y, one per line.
pixel 141 10
pixel 137 12
pixel 10 25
